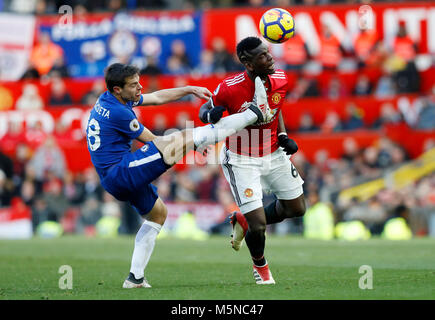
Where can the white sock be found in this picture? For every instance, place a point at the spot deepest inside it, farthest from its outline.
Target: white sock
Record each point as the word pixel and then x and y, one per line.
pixel 213 133
pixel 143 247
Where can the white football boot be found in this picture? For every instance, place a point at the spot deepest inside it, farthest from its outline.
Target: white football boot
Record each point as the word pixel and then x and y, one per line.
pixel 260 101
pixel 132 282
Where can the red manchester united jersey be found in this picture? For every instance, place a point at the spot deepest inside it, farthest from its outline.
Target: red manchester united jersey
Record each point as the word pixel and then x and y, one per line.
pixel 235 93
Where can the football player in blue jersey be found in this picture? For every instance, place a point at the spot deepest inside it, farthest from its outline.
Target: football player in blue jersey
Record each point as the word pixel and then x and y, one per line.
pixel 127 175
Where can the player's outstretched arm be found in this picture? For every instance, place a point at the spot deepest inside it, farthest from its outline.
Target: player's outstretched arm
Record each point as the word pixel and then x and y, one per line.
pixel 169 95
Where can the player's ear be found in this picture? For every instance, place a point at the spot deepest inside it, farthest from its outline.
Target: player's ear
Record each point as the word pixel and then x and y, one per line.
pixel 249 66
pixel 117 89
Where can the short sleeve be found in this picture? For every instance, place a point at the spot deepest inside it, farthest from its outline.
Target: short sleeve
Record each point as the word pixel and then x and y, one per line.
pixel 219 96
pixel 138 103
pixel 125 121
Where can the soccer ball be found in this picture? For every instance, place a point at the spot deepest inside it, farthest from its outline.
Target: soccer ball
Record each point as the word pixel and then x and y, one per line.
pixel 277 25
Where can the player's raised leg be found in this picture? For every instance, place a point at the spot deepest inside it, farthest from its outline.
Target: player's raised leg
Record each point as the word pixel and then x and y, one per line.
pixel 175 146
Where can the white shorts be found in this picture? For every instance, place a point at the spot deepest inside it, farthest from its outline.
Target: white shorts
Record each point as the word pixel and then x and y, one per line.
pixel 249 176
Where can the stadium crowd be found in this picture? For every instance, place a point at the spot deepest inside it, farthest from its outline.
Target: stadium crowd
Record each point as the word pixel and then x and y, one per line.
pixel 38 173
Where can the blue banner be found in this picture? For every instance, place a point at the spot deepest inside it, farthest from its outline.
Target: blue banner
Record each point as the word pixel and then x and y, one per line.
pixel 92 45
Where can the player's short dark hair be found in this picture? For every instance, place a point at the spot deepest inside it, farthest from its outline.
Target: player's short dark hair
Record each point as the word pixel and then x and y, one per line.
pixel 246 45
pixel 116 73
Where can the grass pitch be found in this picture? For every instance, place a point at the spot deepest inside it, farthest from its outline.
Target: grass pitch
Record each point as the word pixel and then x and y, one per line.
pixel 200 270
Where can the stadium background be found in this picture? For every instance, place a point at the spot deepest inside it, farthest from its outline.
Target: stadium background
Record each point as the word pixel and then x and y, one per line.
pixel 364 122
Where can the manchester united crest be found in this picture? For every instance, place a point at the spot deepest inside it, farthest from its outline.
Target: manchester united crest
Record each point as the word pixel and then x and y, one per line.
pixel 276 98
pixel 249 193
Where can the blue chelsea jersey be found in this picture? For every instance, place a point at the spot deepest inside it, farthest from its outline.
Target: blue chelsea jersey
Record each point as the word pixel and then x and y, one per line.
pixel 111 128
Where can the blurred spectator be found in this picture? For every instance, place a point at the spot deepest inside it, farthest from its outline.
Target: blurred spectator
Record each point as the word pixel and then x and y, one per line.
pixel 6 183
pixel 42 8
pixel 13 136
pixel 373 215
pixel 59 68
pixel 426 115
pixel 48 158
pixel 354 117
pixel 306 123
pixel 160 124
pixel 184 188
pixel 304 87
pixel 182 120
pixel 332 122
pixel 114 5
pixel 45 53
pixel 207 182
pixel 397 227
pixel 90 213
pixel 363 86
pixel 407 79
pixel 31 73
pixel 222 60
pixel 54 197
pixel 178 62
pixel 364 45
pixel 91 184
pixel 58 94
pixel 29 99
pixel 318 220
pixel 35 135
pixel 335 89
pixel 388 115
pixel 331 50
pixel 28 192
pixel 351 150
pixel 91 97
pixel 153 85
pixel 403 45
pixel 151 68
pixel 22 156
pixel 175 66
pixel 385 87
pixel 205 66
pixel 296 53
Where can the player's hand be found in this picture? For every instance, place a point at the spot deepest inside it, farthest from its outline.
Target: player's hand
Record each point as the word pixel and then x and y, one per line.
pixel 289 145
pixel 201 92
pixel 215 114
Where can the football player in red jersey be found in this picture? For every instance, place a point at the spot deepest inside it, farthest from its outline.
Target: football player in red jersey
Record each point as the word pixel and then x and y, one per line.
pixel 257 158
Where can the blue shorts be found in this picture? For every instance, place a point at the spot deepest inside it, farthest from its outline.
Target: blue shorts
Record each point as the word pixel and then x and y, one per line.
pixel 130 179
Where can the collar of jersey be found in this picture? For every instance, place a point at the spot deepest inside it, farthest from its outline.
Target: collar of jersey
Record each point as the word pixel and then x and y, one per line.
pixel 111 97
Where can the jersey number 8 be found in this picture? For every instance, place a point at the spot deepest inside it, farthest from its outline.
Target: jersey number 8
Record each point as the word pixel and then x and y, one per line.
pixel 94 133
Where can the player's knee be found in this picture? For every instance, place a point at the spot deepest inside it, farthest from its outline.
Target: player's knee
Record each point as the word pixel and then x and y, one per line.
pixel 299 211
pixel 257 228
pixel 294 209
pixel 163 213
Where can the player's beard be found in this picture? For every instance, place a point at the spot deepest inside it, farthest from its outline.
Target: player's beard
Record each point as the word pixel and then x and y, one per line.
pixel 130 97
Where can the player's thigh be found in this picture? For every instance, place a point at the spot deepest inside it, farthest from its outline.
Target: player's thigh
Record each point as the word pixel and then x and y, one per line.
pixel 283 179
pixel 244 179
pixel 144 200
pixel 144 165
